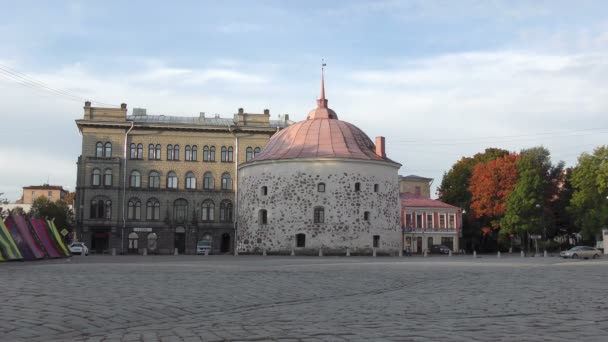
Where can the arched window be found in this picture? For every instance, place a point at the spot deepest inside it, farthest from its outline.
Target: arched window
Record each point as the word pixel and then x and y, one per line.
pixel 319 215
pixel 96 181
pixel 108 150
pixel 224 154
pixel 366 216
pixel 188 152
pixel 230 154
pixel 134 209
pixel 249 154
pixel 151 150
pixel 208 181
pixel 152 241
pixel 153 210
pixel 376 187
pixel 107 177
pixel 140 151
pixel 176 152
pixel 154 180
pixel 300 240
pixel 256 151
pixel 194 153
pixel 101 209
pixel 212 153
pixel 206 153
pixel 263 216
pixel 169 152
pixel 180 210
pixel 226 211
pixel 99 150
pixel 264 190
pixel 190 181
pixel 208 209
pixel 171 180
pixel 321 187
pixel 226 181
pixel 133 242
pixel 135 180
pixel 158 151
pixel 357 186
pixel 133 151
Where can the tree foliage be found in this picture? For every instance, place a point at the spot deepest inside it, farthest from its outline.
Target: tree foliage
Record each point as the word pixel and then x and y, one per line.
pixel 58 210
pixel 589 204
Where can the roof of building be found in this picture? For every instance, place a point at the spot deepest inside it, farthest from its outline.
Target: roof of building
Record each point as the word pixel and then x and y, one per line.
pixel 200 121
pixel 321 135
pixel 415 178
pixel 44 187
pixel 409 199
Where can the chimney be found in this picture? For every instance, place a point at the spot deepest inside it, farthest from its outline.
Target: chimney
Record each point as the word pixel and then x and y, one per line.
pixel 201 115
pixel 380 150
pixel 266 111
pixel 241 111
pixel 87 104
pixel 123 106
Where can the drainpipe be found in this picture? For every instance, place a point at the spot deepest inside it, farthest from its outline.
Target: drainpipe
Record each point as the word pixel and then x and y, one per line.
pixel 124 191
pixel 236 193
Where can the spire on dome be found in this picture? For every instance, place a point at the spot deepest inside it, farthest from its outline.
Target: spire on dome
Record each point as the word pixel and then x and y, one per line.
pixel 322 102
pixel 322 111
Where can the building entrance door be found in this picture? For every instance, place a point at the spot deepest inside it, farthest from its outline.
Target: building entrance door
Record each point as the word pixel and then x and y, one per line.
pixel 225 246
pixel 133 243
pixel 100 242
pixel 419 245
pixel 180 242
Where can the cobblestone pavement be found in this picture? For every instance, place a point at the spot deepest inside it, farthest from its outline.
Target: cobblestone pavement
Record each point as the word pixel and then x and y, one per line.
pixel 254 298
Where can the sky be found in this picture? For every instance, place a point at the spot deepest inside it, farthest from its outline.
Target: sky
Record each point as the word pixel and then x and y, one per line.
pixel 439 79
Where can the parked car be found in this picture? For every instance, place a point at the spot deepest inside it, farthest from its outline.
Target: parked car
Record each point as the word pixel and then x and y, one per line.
pixel 203 247
pixel 78 248
pixel 581 252
pixel 440 249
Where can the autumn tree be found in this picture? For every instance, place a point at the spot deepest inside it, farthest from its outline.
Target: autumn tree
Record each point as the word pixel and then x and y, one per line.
pixel 589 204
pixel 58 210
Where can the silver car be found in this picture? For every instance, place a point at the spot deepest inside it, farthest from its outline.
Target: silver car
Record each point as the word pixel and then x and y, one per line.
pixel 581 252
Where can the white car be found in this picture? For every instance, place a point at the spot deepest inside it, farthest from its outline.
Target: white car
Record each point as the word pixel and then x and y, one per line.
pixel 203 247
pixel 581 252
pixel 78 248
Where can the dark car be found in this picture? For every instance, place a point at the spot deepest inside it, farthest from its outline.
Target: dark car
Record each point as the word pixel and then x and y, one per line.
pixel 440 249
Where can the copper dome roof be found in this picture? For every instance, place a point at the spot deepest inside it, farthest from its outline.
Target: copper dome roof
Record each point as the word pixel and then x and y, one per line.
pixel 321 135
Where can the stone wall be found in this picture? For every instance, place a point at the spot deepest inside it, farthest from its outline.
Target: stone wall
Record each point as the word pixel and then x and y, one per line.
pixel 292 195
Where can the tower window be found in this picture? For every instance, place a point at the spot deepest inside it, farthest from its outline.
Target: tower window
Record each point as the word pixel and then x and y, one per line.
pixel 357 186
pixel 366 216
pixel 319 215
pixel 376 187
pixel 263 216
pixel 376 241
pixel 264 190
pixel 321 187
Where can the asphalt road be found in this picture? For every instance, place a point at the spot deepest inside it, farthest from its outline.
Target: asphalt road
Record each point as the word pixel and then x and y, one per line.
pixel 255 298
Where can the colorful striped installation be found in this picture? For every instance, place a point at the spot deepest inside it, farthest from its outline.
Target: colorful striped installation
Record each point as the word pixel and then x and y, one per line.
pixel 23 229
pixel 41 232
pixel 8 248
pixel 20 241
pixel 57 239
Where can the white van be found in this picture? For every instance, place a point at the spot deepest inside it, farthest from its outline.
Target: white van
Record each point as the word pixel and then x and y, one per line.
pixel 203 247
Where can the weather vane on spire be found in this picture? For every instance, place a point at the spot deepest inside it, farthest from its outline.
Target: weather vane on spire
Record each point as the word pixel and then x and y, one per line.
pixel 323 65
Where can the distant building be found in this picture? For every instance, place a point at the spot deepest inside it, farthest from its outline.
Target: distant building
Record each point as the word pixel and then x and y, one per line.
pixel 162 182
pixel 52 192
pixel 425 221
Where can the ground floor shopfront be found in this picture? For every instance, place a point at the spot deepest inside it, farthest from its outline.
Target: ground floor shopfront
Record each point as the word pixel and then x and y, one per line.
pixel 417 241
pixel 156 239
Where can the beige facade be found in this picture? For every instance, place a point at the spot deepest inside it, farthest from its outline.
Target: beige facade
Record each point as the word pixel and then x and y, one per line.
pixel 52 192
pixel 416 185
pixel 136 189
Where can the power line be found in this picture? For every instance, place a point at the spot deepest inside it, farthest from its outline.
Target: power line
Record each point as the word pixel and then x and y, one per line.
pixel 29 82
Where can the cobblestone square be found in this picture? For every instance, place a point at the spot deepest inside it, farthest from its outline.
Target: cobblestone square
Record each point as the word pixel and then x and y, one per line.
pixel 254 298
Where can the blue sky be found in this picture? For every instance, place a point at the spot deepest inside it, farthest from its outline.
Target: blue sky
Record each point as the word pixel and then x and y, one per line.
pixel 439 79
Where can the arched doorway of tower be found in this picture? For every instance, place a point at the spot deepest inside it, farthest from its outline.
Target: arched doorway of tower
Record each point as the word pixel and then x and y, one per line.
pixel 133 243
pixel 180 239
pixel 225 245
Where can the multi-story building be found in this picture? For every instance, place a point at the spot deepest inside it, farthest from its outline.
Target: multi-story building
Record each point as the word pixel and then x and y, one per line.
pixel 157 183
pixel 425 221
pixel 52 192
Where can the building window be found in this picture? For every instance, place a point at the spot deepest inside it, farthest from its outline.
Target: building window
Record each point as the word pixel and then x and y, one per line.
pixel 151 152
pixel 169 152
pixel 452 221
pixel 226 211
pixel 171 180
pixel 208 210
pixel 249 154
pixel 319 216
pixel 96 181
pixel 153 210
pixel 442 221
pixel 321 187
pixel 107 177
pixel 180 210
pixel 188 153
pixel 226 181
pixel 134 210
pixel 224 154
pixel 230 154
pixel 99 150
pixel 419 221
pixel 194 153
pixel 175 152
pixel 108 150
pixel 208 181
pixel 429 221
pixel 206 153
pixel 263 216
pixel 101 209
pixel 418 191
pixel 158 152
pixel 256 151
pixel 376 241
pixel 408 220
pixel 300 240
pixel 154 180
pixel 366 216
pixel 190 181
pixel 357 186
pixel 376 187
pixel 135 180
pixel 50 194
pixel 212 153
pixel 264 191
pixel 140 151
